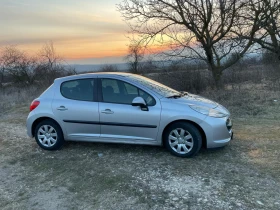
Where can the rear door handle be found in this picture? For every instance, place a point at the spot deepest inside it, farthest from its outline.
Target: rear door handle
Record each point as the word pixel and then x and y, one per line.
pixel 61 108
pixel 107 111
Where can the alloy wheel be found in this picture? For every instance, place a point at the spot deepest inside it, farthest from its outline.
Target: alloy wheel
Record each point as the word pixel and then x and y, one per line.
pixel 180 140
pixel 47 135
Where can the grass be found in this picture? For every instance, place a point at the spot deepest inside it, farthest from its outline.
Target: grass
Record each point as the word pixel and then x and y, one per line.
pixel 143 177
pixel 243 175
pixel 14 98
pixel 251 100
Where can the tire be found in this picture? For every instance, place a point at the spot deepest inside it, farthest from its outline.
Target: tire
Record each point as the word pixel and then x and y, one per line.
pixel 184 143
pixel 48 135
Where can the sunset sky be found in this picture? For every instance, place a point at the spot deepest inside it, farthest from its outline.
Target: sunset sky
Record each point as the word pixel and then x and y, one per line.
pixel 88 31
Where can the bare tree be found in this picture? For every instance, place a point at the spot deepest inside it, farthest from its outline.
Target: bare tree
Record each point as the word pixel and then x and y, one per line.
pixel 134 57
pixel 18 65
pixel 193 29
pixel 71 71
pixel 49 55
pixel 24 69
pixel 108 68
pixel 149 66
pixel 51 65
pixel 268 36
pixel 2 70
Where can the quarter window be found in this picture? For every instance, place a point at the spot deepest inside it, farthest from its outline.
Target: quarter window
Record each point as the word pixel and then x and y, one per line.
pixel 130 89
pixel 81 89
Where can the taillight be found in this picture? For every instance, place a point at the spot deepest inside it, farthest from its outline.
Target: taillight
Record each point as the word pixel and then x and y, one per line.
pixel 34 104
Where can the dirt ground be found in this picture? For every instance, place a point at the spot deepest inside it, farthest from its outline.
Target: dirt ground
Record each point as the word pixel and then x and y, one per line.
pixel 243 175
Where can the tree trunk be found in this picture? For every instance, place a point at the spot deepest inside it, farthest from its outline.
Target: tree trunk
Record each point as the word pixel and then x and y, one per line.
pixel 217 74
pixel 214 68
pixel 2 77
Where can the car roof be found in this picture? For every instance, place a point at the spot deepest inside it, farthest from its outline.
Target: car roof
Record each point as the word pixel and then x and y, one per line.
pixel 87 75
pixel 113 74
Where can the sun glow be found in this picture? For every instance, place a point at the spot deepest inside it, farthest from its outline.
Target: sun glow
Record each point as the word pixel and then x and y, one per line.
pixel 79 30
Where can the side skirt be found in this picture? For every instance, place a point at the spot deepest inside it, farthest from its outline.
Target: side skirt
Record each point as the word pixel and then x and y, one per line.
pixel 115 140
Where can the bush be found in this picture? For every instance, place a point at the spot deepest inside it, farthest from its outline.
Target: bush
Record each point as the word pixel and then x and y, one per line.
pixel 24 70
pixel 11 96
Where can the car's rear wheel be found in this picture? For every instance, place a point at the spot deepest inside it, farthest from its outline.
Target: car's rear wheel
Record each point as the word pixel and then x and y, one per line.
pixel 48 135
pixel 182 139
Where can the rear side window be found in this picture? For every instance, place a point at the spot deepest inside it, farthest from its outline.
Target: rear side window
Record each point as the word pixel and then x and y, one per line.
pixel 80 89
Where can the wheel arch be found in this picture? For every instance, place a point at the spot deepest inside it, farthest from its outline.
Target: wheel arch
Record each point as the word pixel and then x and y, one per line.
pixel 40 119
pixel 204 139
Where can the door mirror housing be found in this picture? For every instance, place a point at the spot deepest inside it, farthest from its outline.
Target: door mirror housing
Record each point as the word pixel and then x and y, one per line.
pixel 139 101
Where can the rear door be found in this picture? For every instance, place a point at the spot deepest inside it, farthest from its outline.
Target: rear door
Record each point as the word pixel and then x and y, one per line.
pixel 75 105
pixel 119 119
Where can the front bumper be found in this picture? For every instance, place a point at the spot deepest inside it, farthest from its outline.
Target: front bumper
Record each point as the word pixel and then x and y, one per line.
pixel 222 142
pixel 217 131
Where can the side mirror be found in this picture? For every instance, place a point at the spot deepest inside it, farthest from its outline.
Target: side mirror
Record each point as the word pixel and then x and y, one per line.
pixel 139 101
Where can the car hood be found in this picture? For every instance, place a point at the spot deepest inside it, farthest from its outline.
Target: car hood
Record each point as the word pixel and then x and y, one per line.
pixel 192 99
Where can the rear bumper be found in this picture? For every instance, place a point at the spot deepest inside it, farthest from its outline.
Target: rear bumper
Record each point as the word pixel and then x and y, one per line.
pixel 29 121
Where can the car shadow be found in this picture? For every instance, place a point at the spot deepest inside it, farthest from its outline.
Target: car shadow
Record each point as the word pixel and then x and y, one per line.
pixel 136 149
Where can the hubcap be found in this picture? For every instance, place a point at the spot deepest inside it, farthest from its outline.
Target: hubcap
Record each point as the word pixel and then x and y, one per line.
pixel 47 135
pixel 180 140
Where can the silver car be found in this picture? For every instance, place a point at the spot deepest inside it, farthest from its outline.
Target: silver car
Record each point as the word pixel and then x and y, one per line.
pixel 126 108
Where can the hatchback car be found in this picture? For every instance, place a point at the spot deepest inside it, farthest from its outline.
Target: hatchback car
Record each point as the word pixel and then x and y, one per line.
pixel 126 108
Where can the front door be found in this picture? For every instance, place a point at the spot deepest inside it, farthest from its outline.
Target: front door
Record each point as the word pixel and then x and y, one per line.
pixel 120 120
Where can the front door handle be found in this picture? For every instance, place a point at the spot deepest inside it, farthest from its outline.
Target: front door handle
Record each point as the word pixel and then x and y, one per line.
pixel 107 111
pixel 61 108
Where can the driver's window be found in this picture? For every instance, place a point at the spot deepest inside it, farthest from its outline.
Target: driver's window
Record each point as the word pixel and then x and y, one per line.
pixel 116 91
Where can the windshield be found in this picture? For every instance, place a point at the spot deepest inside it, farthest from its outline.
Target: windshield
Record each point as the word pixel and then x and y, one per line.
pixel 155 86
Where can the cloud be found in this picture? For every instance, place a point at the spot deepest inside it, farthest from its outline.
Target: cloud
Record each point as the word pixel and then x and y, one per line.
pixel 32 24
pixel 78 29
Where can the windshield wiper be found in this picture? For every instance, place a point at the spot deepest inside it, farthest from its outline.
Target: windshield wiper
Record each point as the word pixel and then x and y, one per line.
pixel 182 93
pixel 175 96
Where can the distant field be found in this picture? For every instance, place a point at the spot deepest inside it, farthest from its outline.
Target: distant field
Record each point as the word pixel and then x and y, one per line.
pixel 243 175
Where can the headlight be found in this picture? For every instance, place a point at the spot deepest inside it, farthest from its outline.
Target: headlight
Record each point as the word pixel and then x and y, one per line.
pixel 208 111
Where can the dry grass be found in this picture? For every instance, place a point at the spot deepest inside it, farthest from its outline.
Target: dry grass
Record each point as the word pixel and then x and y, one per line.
pixel 14 97
pixel 243 175
pixel 239 176
pixel 250 100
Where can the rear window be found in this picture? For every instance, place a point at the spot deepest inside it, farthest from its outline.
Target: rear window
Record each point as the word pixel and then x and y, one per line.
pixel 80 89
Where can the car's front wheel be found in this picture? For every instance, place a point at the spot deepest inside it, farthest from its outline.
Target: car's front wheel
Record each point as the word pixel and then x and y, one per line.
pixel 48 135
pixel 182 139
